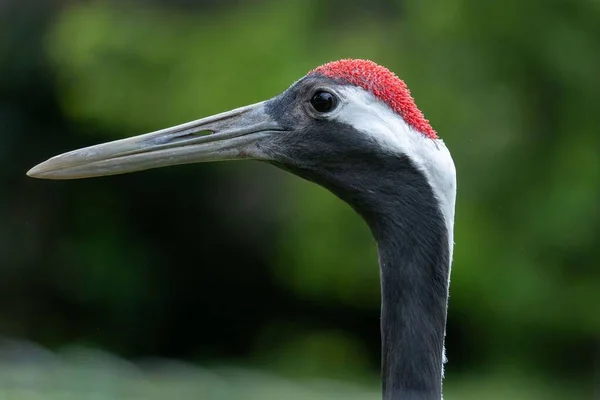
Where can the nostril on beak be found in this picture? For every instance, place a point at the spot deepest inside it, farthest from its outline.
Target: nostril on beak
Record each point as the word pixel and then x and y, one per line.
pixel 180 137
pixel 203 132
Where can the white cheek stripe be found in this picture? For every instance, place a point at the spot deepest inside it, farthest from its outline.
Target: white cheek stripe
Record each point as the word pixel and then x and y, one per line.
pixel 374 118
pixel 369 115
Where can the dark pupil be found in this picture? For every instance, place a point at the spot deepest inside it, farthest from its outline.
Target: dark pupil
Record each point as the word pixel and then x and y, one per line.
pixel 323 101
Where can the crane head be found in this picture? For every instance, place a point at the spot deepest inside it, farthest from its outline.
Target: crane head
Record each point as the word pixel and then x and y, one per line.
pixel 341 119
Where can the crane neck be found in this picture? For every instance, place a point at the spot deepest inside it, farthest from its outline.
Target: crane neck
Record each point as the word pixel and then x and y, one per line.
pixel 414 257
pixel 412 237
pixel 414 290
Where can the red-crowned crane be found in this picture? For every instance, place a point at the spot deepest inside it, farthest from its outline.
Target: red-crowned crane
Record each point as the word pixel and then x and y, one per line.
pixel 352 127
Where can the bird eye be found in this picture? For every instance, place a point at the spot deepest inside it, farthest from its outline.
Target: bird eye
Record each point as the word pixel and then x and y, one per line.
pixel 323 101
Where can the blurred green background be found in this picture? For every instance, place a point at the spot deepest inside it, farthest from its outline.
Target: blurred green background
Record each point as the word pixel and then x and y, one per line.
pixel 239 281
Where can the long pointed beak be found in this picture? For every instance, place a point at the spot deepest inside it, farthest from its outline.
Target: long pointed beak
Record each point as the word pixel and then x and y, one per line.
pixel 227 136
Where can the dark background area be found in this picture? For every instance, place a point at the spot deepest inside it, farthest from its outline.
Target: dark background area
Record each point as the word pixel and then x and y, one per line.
pixel 239 264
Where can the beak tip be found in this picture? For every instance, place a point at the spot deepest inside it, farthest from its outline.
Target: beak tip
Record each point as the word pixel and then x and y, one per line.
pixel 38 172
pixel 32 173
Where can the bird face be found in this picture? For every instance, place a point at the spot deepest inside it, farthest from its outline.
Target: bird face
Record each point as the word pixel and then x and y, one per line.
pixel 347 125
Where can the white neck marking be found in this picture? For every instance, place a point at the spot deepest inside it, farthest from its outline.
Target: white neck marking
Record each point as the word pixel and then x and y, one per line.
pixel 366 113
